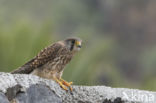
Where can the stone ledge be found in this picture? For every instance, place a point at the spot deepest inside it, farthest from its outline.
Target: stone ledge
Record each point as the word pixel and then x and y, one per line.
pixel 21 88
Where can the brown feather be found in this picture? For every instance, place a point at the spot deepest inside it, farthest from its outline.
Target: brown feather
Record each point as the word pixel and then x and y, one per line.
pixel 44 56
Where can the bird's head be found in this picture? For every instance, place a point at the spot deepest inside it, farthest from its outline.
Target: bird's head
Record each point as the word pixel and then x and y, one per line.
pixel 74 44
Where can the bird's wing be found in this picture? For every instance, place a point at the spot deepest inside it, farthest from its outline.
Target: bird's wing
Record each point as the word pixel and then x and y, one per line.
pixel 43 57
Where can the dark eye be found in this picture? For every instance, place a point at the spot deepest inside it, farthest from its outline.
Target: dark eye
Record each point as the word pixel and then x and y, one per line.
pixel 72 45
pixel 73 41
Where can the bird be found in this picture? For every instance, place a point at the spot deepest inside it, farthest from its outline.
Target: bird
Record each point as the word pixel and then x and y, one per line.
pixel 50 62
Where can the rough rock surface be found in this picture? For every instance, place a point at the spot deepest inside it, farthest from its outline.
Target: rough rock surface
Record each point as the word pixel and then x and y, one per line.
pixel 20 88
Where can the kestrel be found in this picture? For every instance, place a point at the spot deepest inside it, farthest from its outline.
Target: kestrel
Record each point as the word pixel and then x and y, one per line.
pixel 50 62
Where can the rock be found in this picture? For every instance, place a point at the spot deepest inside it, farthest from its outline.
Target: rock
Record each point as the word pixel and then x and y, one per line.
pixel 22 88
pixel 3 98
pixel 38 94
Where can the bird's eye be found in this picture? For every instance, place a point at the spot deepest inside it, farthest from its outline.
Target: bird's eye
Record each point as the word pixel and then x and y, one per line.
pixel 73 41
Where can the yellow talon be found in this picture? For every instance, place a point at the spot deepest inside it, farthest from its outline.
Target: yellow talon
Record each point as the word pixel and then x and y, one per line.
pixel 63 86
pixel 64 83
pixel 60 83
pixel 68 84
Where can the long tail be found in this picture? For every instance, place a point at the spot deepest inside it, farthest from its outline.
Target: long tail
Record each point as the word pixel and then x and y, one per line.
pixel 25 69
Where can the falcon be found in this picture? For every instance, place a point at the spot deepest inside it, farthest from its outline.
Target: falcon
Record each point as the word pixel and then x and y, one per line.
pixel 50 62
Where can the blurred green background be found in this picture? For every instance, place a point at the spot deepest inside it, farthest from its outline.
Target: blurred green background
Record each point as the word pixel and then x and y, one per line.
pixel 119 38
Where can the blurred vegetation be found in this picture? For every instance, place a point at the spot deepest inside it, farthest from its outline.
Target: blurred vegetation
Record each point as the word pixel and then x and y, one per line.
pixel 119 41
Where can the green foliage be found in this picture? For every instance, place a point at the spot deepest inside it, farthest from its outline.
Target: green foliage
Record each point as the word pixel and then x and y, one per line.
pixel 20 43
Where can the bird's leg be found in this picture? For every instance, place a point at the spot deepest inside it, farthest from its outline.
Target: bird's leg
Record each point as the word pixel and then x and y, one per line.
pixel 68 84
pixel 60 83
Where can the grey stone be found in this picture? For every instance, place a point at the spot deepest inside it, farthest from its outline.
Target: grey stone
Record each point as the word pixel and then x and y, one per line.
pixel 3 98
pixel 32 89
pixel 38 94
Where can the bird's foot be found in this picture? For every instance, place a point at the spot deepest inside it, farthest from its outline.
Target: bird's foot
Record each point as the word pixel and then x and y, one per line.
pixel 61 84
pixel 68 84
